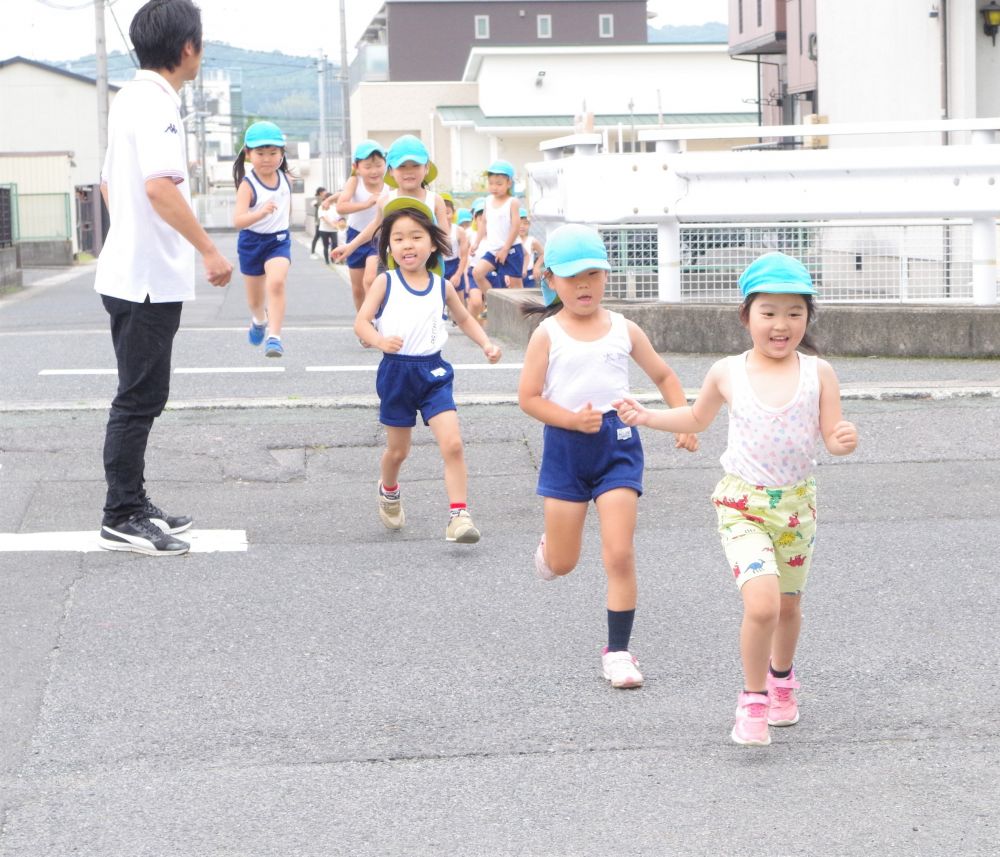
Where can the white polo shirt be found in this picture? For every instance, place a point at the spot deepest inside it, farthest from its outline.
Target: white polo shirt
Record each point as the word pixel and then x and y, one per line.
pixel 143 255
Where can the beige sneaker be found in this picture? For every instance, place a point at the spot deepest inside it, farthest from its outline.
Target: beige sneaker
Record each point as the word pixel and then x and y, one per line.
pixel 390 509
pixel 461 529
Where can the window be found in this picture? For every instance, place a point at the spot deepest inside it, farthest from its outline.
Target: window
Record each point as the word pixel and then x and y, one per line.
pixel 482 26
pixel 545 26
pixel 606 26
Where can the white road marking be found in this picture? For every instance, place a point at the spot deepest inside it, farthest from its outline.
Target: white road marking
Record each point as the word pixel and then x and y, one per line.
pixel 104 331
pixel 78 372
pixel 463 366
pixel 84 541
pixel 227 370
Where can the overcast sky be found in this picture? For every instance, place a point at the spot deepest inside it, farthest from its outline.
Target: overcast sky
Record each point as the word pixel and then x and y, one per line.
pixel 64 29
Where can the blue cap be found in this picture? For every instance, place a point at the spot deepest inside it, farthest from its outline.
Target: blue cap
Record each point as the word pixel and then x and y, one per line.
pixel 501 168
pixel 367 148
pixel 463 215
pixel 570 249
pixel 409 148
pixel 478 204
pixel 523 212
pixel 776 274
pixel 263 134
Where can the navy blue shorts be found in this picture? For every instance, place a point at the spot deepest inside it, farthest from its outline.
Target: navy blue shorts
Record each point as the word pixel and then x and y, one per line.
pixel 359 257
pixel 580 467
pixel 513 265
pixel 450 267
pixel 255 248
pixel 492 278
pixel 407 384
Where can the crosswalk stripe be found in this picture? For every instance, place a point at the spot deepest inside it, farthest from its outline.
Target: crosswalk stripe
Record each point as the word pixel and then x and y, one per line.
pixel 85 541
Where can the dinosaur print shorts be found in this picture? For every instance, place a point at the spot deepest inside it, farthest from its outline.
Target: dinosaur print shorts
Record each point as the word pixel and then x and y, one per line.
pixel 767 530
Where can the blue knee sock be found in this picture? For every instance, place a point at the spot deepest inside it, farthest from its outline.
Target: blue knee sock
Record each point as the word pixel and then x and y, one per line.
pixel 619 629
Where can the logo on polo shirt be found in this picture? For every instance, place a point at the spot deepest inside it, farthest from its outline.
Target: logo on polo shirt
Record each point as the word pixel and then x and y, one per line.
pixel 170 129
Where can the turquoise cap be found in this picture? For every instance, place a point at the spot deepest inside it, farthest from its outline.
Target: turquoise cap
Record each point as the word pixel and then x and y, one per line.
pixel 776 274
pixel 263 134
pixel 570 249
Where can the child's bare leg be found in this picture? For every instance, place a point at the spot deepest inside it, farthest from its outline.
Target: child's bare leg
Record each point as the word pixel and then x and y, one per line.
pixel 475 302
pixel 446 432
pixel 761 605
pixel 397 447
pixel 276 275
pixel 563 534
pixel 617 510
pixel 357 286
pixel 786 635
pixel 515 283
pixel 480 273
pixel 255 297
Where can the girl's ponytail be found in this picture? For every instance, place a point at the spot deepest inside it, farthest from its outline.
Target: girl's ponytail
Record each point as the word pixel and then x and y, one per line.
pixel 240 167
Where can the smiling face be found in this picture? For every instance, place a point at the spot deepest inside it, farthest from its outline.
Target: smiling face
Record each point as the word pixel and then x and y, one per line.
pixel 409 175
pixel 371 170
pixel 581 294
pixel 410 244
pixel 776 323
pixel 265 160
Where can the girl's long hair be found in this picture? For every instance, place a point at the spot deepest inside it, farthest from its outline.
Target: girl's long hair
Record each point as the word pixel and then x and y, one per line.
pixel 240 168
pixel 544 311
pixel 440 240
pixel 808 344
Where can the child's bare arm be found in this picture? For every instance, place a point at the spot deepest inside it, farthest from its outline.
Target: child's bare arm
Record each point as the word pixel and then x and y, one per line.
pixel 839 435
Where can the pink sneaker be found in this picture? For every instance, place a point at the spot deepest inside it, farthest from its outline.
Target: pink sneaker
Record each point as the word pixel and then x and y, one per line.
pixel 541 566
pixel 621 669
pixel 784 707
pixel 751 720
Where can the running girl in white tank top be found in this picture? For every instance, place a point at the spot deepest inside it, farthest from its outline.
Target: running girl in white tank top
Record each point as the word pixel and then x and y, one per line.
pixel 404 315
pixel 358 201
pixel 781 404
pixel 576 366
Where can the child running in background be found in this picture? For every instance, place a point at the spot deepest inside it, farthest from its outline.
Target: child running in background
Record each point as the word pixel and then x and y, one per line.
pixel 263 206
pixel 782 403
pixel 457 259
pixel 499 247
pixel 358 202
pixel 403 315
pixel 576 364
pixel 533 255
pixel 410 171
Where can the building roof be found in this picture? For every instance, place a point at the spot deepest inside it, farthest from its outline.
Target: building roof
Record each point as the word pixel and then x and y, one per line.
pixel 473 116
pixel 55 70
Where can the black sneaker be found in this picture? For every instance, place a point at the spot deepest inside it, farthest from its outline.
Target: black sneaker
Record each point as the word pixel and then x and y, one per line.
pixel 171 524
pixel 141 535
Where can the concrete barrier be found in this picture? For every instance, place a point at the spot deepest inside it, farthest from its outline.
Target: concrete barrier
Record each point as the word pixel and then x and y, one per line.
pixel 841 329
pixel 45 254
pixel 10 273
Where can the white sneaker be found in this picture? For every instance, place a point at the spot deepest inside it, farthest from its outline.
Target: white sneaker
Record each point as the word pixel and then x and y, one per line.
pixel 390 509
pixel 314 255
pixel 621 669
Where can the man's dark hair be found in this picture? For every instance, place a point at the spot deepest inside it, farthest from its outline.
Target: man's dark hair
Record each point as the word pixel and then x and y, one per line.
pixel 160 30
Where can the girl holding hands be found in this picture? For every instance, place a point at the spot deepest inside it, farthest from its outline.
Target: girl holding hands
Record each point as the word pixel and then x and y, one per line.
pixel 782 404
pixel 575 366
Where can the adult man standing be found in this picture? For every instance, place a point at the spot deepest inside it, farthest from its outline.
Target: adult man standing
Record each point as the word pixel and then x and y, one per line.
pixel 146 269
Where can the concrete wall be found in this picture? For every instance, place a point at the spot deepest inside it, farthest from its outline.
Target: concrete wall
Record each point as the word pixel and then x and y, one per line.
pixel 10 273
pixel 44 254
pixel 655 78
pixel 883 331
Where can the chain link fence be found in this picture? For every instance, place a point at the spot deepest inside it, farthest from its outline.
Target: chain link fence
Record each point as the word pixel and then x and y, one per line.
pixel 44 217
pixel 851 261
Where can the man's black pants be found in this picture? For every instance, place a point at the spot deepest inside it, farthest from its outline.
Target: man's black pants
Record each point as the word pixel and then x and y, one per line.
pixel 143 337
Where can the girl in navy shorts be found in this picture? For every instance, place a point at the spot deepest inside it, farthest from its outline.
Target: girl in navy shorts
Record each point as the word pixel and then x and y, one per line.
pixel 576 364
pixel 403 315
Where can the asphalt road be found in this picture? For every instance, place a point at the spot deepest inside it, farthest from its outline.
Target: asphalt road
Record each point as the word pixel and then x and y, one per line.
pixel 338 689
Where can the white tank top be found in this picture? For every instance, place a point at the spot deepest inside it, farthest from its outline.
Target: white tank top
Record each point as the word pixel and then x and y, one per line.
pixel 358 220
pixel 497 225
pixel 454 243
pixel 772 446
pixel 281 195
pixel 418 317
pixel 581 372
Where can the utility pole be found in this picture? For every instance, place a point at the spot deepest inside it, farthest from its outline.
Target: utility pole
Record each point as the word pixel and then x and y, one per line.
pixel 323 139
pixel 101 50
pixel 345 91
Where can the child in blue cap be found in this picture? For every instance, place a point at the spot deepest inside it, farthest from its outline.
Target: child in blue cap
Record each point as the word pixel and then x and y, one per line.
pixel 410 171
pixel 263 207
pixel 499 248
pixel 358 202
pixel 782 404
pixel 575 366
pixel 532 248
